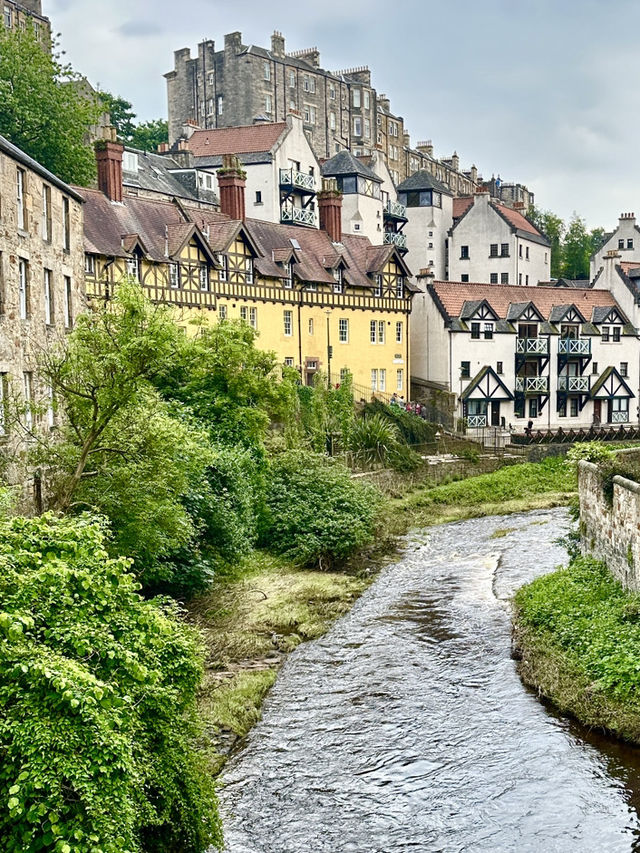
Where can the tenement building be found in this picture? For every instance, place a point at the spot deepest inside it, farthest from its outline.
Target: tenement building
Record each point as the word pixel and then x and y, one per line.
pixel 15 16
pixel 558 358
pixel 41 282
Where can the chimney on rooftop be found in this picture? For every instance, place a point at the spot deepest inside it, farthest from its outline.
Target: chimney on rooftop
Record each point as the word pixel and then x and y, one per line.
pixel 109 161
pixel 232 180
pixel 277 44
pixel 330 209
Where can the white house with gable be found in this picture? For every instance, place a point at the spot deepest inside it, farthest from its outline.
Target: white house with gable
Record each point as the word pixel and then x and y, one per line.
pixel 625 240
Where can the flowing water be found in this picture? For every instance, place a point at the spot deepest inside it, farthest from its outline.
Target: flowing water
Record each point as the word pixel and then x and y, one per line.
pixel 406 727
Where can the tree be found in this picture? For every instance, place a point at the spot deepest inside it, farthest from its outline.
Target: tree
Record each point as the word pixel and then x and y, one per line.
pixel 42 108
pixel 553 227
pixel 577 249
pixel 121 114
pixel 97 689
pixel 148 135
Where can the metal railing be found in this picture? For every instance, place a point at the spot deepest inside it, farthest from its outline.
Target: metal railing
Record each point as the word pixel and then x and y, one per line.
pixel 532 346
pixel 532 384
pixel 297 215
pixel 619 417
pixel 476 421
pixel 301 180
pixel 397 238
pixel 573 346
pixel 394 208
pixel 574 383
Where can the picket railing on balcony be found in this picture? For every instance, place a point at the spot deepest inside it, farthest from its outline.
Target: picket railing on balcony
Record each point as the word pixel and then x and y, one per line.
pixel 532 384
pixel 571 384
pixel 476 421
pixel 397 238
pixel 573 346
pixel 297 215
pixel 532 346
pixel 394 208
pixel 299 180
pixel 619 417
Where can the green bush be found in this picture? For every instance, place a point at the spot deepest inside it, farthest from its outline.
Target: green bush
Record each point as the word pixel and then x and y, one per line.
pixel 591 451
pixel 316 514
pixel 97 689
pixel 373 439
pixel 412 428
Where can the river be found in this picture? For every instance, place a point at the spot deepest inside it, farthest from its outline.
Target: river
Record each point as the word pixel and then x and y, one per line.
pixel 406 727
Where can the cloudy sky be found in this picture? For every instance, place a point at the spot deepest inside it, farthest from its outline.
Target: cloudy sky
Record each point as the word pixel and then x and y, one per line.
pixel 543 92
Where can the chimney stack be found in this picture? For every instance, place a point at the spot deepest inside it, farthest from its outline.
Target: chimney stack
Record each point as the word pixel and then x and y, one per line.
pixel 231 183
pixel 277 44
pixel 330 209
pixel 109 161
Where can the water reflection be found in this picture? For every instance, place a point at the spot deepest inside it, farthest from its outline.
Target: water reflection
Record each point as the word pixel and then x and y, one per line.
pixel 406 727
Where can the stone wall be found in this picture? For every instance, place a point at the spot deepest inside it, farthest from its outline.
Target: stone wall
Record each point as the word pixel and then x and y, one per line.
pixel 611 533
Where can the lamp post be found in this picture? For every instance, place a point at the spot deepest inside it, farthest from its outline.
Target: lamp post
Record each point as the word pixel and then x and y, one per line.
pixel 327 311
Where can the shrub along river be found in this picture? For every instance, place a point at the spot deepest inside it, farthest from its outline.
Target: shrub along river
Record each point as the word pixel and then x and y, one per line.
pixel 406 727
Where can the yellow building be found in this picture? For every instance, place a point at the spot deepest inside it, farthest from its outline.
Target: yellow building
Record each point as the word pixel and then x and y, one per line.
pixel 324 305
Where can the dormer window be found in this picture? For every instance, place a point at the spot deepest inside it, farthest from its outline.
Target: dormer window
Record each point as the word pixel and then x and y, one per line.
pixel 129 162
pixel 288 282
pixel 133 267
pixel 337 274
pixel 378 290
pixel 248 263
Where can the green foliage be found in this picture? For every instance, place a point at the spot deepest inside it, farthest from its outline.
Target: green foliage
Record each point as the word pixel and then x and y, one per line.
pixel 554 228
pixel 148 135
pixel 412 428
pixel 577 249
pixel 45 108
pixel 376 440
pixel 98 689
pixel 614 465
pixel 584 612
pixel 316 514
pixel 326 414
pixel 121 114
pixel 590 451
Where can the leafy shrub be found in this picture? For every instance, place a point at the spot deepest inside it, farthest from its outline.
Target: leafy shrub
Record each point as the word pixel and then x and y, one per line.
pixel 316 514
pixel 590 451
pixel 412 428
pixel 614 466
pixel 97 688
pixel 373 439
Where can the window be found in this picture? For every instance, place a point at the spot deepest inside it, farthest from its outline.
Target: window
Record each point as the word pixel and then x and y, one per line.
pixel 465 369
pixel 23 282
pixel 21 199
pixel 248 267
pixel 573 407
pixel 619 410
pixel 373 332
pixel 288 282
pixel 526 281
pixel 8 17
pixel 129 161
pixel 51 415
pixel 624 368
pixel 621 244
pixel 630 244
pixel 337 274
pixel 562 409
pixel 27 380
pixel 464 253
pixel 48 298
pixel 493 250
pixel 378 290
pixel 399 379
pixel 520 250
pixel 203 275
pixel 475 331
pixel 267 70
pixel 174 276
pixel 288 323
pixel 594 368
pixel 220 104
pixel 332 121
pixel 366 99
pixel 616 334
pixel 380 331
pixel 464 277
pixel 267 103
pixel 355 95
pixel 399 336
pixel 488 331
pixel 133 267
pixel 605 334
pixel 504 250
pixel 533 407
pixel 520 278
pixel 46 213
pixel 343 330
pixel 367 129
pixel 222 312
pixel 357 126
pixel 504 278
pixel 223 272
pixel 499 370
pixel 332 92
pixel 382 379
pixel 68 312
pixel 493 278
pixel 400 286
pixel 309 112
pixel 546 257
pixel 253 318
pixel 288 362
pixel 292 79
pixel 310 325
pixel 66 224
pixel 526 253
pixel 374 379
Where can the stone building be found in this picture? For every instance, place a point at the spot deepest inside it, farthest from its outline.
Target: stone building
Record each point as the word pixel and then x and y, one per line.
pixel 41 281
pixel 16 14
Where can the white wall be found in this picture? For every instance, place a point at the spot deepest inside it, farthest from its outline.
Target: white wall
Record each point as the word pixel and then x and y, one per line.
pixel 426 232
pixel 626 230
pixel 364 212
pixel 429 339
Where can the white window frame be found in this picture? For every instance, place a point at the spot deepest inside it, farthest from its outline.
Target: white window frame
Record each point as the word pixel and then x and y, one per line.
pixel 27 386
pixel 20 198
pixel 48 296
pixel 382 379
pixel 23 285
pixel 373 332
pixel 174 275
pixel 47 223
pixel 343 330
pixel 374 378
pixel 248 263
pixel 203 277
pixel 356 97
pixel 310 326
pixel 399 379
pixel 381 331
pixel 133 267
pixel 399 331
pixel 68 312
pixel 89 264
pixel 287 319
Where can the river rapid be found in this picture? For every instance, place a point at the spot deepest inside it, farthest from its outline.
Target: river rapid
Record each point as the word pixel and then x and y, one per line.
pixel 406 727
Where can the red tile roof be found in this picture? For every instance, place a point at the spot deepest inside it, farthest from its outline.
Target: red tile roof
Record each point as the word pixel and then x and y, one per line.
pixel 515 218
pixel 453 294
pixel 627 266
pixel 236 140
pixel 461 205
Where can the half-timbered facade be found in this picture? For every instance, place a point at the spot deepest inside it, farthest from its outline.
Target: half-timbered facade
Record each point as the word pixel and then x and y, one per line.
pixel 543 358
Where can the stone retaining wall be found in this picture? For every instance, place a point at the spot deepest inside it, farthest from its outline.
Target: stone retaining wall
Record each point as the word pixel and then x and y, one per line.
pixel 611 533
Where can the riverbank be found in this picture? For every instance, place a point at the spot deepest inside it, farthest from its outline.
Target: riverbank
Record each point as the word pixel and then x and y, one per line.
pixel 253 618
pixel 577 636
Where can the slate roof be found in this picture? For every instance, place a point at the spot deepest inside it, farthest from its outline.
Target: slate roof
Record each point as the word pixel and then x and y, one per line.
pixel 245 139
pixel 451 296
pixel 154 175
pixel 345 163
pixel 423 180
pixel 18 154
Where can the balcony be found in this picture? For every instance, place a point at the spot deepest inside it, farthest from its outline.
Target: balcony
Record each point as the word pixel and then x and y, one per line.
pixel 532 346
pixel 476 421
pixel 574 384
pixel 395 210
pixel 532 384
pixel 297 216
pixel 619 417
pixel 397 238
pixel 293 179
pixel 571 346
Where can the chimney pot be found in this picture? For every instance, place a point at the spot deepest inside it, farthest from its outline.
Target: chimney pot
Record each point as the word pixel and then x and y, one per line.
pixel 232 180
pixel 330 209
pixel 109 162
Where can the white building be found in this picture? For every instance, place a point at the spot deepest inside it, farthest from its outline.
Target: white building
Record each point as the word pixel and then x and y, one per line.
pixel 625 240
pixel 283 173
pixel 494 244
pixel 429 211
pixel 559 358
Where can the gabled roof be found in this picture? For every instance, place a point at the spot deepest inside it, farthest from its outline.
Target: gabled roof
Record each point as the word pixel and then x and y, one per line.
pixel 518 223
pixel 158 173
pixel 19 156
pixel 246 139
pixel 344 163
pixel 423 180
pixel 472 306
pixel 180 234
pixel 610 384
pixel 486 385
pixel 372 259
pixel 559 312
pixel 610 314
pixel 517 309
pixel 461 205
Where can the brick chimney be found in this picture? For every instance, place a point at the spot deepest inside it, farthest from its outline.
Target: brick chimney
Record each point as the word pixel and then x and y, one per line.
pixel 109 159
pixel 330 209
pixel 231 183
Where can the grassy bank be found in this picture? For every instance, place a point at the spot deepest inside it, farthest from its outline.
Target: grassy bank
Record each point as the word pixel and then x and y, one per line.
pixel 578 636
pixel 254 617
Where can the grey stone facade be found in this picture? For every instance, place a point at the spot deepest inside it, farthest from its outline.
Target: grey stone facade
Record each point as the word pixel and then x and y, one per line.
pixel 16 14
